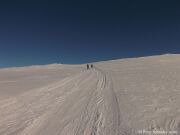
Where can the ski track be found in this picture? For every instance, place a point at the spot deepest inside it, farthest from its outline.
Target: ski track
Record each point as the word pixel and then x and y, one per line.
pixel 84 104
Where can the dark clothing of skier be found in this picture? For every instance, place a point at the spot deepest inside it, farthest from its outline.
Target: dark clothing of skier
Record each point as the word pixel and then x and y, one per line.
pixel 87 66
pixel 91 65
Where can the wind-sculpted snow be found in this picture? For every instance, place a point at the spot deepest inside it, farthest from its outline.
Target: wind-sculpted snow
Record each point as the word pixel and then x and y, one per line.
pixel 125 97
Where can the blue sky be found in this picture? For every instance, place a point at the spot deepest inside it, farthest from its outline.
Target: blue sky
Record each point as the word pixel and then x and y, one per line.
pixel 73 32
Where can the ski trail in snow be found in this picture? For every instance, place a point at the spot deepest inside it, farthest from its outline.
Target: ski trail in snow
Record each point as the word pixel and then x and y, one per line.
pixel 102 116
pixel 84 104
pixel 113 123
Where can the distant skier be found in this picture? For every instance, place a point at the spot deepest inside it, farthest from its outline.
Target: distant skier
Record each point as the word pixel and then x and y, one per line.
pixel 87 66
pixel 92 66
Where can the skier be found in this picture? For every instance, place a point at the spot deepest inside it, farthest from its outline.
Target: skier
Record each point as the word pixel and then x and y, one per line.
pixel 91 65
pixel 87 66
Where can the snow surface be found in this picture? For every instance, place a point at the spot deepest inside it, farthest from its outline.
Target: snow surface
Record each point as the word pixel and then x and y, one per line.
pixel 118 97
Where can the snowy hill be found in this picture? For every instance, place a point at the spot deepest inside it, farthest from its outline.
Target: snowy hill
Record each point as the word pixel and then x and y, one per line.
pixel 118 97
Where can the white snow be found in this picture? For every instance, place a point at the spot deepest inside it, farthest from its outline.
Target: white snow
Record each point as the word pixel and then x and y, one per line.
pixel 118 97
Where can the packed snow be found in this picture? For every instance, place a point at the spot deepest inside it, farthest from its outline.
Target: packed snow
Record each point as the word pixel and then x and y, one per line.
pixel 119 97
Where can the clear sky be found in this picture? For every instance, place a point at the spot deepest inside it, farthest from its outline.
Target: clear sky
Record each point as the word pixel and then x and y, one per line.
pixel 43 32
